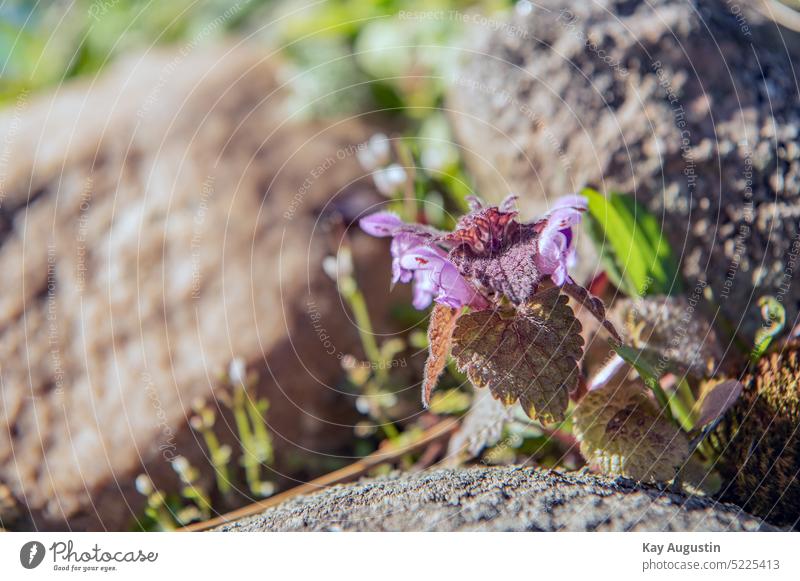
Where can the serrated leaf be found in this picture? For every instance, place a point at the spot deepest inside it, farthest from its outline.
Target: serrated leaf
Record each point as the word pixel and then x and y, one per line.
pixel 637 257
pixel 440 333
pixel 652 325
pixel 592 304
pixel 622 431
pixel 528 355
pixel 716 397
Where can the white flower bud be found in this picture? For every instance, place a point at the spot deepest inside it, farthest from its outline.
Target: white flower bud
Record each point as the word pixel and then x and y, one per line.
pixel 144 485
pixel 389 179
pixel 237 371
pixel 374 153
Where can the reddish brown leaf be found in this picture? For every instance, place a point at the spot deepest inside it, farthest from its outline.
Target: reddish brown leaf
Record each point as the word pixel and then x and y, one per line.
pixel 528 354
pixel 440 338
pixel 592 304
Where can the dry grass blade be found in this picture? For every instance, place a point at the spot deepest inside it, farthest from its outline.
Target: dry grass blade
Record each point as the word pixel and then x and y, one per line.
pixel 347 474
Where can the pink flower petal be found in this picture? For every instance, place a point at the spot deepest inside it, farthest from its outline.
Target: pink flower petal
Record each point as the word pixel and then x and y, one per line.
pixel 381 224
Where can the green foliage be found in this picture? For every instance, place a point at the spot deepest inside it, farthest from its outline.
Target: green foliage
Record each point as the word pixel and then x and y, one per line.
pixel 622 432
pixel 393 55
pixel 195 500
pixel 45 43
pixel 774 316
pixel 648 373
pixel 636 256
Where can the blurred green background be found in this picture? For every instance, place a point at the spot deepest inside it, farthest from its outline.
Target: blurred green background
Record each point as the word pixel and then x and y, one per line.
pixel 379 45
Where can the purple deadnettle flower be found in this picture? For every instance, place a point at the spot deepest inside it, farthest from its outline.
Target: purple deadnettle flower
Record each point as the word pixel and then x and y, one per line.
pixel 488 256
pixel 413 258
pixel 381 224
pixel 436 278
pixel 556 247
pixel 402 244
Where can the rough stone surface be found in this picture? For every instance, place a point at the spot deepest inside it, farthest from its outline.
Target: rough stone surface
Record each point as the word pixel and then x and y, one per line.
pixel 689 107
pixel 498 499
pixel 154 224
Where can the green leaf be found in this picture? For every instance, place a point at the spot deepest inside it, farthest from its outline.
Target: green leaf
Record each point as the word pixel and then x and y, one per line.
pixel 621 431
pixel 636 256
pixel 649 374
pixel 528 355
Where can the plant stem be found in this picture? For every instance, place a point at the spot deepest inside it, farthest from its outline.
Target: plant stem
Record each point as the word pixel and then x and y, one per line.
pixel 355 298
pixel 681 403
pixel 218 460
pixel 249 459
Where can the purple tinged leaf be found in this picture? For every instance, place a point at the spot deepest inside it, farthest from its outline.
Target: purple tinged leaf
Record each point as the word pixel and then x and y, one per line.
pixel 510 271
pixel 528 355
pixel 593 304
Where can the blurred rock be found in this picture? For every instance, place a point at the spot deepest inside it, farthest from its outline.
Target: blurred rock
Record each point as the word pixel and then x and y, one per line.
pixel 498 499
pixel 691 107
pixel 156 223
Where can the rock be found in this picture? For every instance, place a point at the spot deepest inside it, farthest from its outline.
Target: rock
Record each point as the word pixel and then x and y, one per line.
pixel 156 223
pixel 498 499
pixel 690 106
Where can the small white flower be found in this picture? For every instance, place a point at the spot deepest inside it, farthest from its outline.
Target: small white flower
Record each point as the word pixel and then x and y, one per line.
pixel 362 405
pixel 237 371
pixel 389 179
pixel 330 268
pixel 266 489
pixel 376 152
pixel 434 159
pixel 338 266
pixel 180 464
pixel 380 147
pixel 144 485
